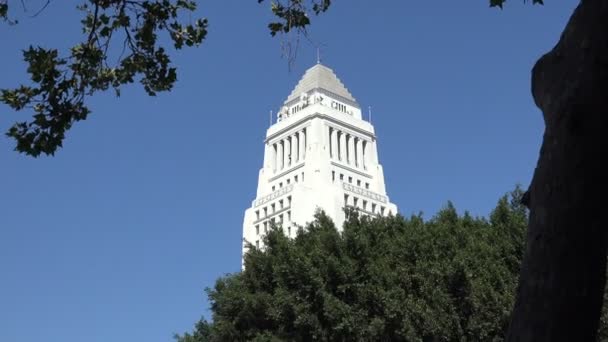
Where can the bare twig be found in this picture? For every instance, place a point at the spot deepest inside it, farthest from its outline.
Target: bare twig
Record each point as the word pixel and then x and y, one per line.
pixel 41 9
pixel 94 26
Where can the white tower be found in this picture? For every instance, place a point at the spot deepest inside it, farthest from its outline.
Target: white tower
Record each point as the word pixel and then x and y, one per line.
pixel 319 154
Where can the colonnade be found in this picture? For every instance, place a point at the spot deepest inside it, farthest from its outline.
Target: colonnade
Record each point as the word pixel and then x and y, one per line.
pixel 349 149
pixel 288 151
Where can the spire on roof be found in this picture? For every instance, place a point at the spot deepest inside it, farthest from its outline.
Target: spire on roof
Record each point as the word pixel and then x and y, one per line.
pixel 320 77
pixel 318 55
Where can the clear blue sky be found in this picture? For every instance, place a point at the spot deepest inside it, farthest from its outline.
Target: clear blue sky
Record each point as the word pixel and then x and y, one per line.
pixel 115 238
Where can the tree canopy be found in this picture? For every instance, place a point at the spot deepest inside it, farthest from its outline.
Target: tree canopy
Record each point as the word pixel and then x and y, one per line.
pixel 452 277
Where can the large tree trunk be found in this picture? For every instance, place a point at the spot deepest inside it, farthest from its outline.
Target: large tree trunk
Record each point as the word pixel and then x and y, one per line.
pixel 563 271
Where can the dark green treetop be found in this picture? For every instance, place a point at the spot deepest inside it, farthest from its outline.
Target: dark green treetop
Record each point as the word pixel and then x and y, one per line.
pixel 449 278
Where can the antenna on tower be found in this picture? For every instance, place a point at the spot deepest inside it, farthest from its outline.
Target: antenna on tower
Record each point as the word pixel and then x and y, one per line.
pixel 270 117
pixel 318 55
pixel 369 115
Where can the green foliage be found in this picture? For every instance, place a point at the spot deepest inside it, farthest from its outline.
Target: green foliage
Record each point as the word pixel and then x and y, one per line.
pixel 451 278
pixel 61 83
pixel 3 11
pixel 294 14
pixel 202 333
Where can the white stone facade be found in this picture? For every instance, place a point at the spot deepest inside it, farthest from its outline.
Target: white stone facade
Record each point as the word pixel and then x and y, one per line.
pixel 319 154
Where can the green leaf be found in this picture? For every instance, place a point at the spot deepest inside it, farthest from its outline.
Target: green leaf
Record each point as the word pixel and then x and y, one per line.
pixel 4 11
pixel 497 3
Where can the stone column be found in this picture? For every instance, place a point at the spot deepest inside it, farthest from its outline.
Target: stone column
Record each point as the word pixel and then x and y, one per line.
pixel 280 155
pixel 365 154
pixel 359 153
pixel 342 147
pixel 333 142
pixel 272 157
pixel 373 153
pixel 286 153
pixel 351 150
pixel 300 147
pixel 302 140
pixel 294 149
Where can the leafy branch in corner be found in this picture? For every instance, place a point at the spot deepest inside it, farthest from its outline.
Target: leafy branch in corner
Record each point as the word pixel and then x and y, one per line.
pixel 60 84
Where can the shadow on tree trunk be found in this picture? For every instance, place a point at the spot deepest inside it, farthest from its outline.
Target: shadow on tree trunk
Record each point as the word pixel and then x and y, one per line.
pixel 563 272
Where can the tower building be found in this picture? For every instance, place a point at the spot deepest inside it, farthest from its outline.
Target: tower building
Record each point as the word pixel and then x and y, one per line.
pixel 319 154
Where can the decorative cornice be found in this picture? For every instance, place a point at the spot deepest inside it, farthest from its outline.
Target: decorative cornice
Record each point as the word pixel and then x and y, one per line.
pixel 322 116
pixel 364 192
pixel 348 168
pixel 265 199
pixel 293 168
pixel 327 93
pixel 288 128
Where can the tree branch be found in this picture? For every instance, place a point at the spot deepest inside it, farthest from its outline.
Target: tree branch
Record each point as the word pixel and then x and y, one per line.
pixel 41 9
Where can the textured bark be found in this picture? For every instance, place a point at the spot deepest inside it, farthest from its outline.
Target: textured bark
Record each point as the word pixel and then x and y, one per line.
pixel 563 271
